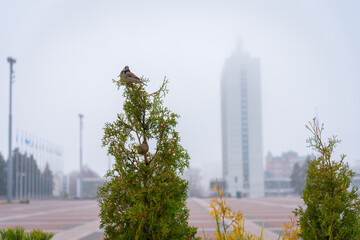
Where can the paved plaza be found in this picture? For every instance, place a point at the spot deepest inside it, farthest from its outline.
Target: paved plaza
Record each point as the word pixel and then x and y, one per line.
pixel 78 219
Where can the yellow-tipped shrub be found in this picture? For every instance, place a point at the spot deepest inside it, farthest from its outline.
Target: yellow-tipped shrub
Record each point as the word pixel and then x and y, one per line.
pixel 291 230
pixel 222 213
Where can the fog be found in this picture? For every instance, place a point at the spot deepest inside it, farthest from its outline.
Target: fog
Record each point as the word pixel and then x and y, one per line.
pixel 68 52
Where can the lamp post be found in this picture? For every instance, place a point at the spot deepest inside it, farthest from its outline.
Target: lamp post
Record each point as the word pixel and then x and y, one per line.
pixel 10 168
pixel 81 177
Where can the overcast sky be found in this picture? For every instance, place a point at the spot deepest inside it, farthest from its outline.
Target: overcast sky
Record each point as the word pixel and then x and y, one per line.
pixel 67 53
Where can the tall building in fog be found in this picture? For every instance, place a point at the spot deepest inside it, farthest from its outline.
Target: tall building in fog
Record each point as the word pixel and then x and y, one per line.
pixel 243 169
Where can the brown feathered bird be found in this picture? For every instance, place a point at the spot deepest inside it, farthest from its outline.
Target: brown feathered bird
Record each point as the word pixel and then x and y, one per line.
pixel 144 147
pixel 129 77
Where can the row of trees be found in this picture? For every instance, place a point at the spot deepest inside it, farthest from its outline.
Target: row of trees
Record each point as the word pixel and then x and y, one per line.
pixel 28 179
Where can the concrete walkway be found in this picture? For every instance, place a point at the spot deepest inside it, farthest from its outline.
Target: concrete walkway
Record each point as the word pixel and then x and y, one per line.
pixel 78 220
pixel 89 230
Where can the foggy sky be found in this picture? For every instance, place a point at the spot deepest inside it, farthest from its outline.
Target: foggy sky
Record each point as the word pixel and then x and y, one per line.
pixel 67 53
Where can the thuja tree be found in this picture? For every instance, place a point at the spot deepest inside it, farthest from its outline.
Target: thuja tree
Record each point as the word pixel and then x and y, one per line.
pixel 332 208
pixel 144 196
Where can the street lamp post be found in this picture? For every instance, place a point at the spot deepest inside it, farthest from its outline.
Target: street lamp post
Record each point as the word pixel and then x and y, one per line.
pixel 10 168
pixel 81 173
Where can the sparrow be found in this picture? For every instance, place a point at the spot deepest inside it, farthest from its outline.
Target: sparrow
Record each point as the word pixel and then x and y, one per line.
pixel 129 77
pixel 144 147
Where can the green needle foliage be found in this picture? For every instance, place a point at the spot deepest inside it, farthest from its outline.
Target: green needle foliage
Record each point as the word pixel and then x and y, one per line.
pixel 332 209
pixel 144 196
pixel 18 233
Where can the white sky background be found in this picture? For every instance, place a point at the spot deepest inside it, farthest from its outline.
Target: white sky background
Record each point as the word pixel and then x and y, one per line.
pixel 67 52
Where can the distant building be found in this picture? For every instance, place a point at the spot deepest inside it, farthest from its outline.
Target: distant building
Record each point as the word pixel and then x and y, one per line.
pixel 90 187
pixel 73 180
pixel 278 170
pixel 242 153
pixel 281 166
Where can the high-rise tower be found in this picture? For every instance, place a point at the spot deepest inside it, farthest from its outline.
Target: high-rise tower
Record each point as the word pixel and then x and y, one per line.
pixel 243 168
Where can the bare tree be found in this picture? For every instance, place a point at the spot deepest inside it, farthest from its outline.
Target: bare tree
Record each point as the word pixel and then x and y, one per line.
pixel 192 175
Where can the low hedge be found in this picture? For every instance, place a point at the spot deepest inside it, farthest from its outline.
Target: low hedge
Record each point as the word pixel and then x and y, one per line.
pixel 18 233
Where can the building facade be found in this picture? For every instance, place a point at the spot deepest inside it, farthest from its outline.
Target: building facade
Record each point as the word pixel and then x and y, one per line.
pixel 278 170
pixel 242 126
pixel 90 187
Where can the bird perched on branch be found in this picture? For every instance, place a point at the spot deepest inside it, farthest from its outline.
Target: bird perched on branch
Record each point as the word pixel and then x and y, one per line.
pixel 144 147
pixel 129 77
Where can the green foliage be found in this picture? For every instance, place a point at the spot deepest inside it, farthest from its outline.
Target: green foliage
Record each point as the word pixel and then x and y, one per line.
pixel 332 209
pixel 12 233
pixel 38 234
pixel 18 233
pixel 144 196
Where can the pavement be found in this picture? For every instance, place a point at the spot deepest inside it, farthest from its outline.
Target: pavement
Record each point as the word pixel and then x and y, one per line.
pixel 78 219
